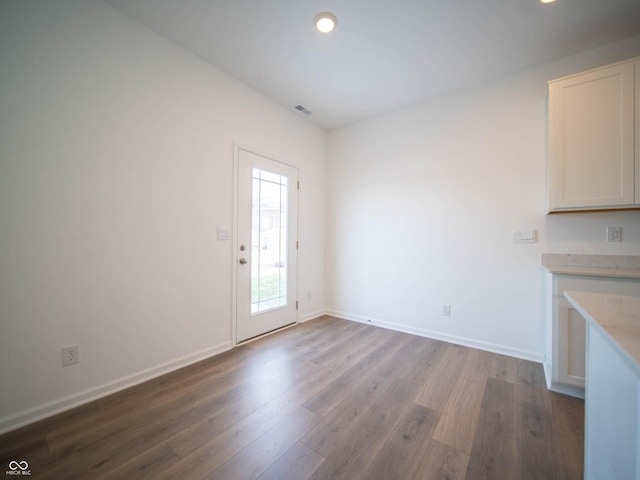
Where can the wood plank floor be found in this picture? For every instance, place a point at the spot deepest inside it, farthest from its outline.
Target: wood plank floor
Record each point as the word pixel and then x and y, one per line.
pixel 328 399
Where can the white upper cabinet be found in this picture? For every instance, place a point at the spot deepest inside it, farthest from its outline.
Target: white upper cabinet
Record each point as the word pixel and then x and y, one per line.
pixel 592 163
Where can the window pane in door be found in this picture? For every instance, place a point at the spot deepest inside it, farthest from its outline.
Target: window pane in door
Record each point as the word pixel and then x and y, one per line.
pixel 269 241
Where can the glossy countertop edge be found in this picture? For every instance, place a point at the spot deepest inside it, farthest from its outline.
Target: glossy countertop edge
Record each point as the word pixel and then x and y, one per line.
pixel 593 271
pixel 591 260
pixel 617 317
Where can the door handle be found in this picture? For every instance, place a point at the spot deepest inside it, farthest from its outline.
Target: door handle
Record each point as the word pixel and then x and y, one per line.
pixel 243 261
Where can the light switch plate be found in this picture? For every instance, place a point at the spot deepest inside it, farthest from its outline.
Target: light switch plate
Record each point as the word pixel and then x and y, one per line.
pixel 524 236
pixel 223 233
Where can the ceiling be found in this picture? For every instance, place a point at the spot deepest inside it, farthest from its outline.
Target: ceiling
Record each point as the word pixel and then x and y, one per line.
pixel 384 54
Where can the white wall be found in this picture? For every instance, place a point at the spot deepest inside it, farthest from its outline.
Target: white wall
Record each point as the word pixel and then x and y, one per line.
pixel 116 166
pixel 422 202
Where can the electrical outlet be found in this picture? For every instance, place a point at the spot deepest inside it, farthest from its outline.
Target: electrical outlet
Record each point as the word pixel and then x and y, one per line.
pixel 614 234
pixel 446 310
pixel 70 355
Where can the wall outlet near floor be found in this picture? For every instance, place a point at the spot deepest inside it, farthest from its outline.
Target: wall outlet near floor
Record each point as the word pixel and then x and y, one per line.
pixel 70 355
pixel 446 310
pixel 614 234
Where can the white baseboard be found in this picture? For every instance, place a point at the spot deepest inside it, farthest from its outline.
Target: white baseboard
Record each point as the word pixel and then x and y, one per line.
pixel 467 342
pixel 31 415
pixel 567 390
pixel 311 316
pixel 561 387
pixel 547 374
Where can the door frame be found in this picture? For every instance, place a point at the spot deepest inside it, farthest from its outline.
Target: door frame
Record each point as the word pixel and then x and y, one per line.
pixel 235 257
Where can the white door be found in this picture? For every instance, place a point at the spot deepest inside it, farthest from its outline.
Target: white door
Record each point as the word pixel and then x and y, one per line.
pixel 266 243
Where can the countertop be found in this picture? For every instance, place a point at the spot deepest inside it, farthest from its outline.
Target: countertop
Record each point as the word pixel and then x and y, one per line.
pixel 613 266
pixel 617 316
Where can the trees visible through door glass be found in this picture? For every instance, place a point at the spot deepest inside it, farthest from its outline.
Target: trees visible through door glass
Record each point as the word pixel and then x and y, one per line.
pixel 268 241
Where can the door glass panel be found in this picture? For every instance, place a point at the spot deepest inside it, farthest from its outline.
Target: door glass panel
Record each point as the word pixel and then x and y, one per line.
pixel 268 241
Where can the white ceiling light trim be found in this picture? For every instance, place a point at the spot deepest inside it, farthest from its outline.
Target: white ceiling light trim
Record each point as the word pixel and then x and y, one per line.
pixel 325 22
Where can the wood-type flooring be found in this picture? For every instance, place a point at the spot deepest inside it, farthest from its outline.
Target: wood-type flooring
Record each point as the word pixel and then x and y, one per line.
pixel 327 399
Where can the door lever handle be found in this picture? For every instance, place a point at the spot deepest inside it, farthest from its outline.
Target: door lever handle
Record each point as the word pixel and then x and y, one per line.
pixel 243 261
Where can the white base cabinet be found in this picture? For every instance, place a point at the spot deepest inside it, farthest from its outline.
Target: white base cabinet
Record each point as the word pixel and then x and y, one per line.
pixel 564 364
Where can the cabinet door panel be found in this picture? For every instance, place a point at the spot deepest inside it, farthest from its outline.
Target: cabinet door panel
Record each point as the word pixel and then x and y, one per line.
pixel 591 144
pixel 571 344
pixel 576 329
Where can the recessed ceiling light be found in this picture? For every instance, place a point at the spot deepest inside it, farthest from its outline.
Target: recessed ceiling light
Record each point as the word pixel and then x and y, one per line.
pixel 325 22
pixel 547 1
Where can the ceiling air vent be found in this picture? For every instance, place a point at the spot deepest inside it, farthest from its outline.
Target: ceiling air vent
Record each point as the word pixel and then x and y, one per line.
pixel 300 108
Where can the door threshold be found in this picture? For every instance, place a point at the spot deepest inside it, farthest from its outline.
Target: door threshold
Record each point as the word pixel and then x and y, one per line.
pixel 262 335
